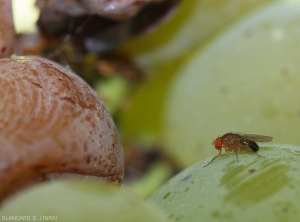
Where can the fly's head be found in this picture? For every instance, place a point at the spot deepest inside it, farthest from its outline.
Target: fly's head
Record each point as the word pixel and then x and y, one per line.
pixel 218 143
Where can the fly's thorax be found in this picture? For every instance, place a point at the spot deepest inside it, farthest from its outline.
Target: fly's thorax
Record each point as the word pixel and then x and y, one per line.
pixel 230 140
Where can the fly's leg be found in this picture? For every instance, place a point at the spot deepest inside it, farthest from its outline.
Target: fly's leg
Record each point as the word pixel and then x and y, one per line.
pixel 259 155
pixel 236 153
pixel 226 154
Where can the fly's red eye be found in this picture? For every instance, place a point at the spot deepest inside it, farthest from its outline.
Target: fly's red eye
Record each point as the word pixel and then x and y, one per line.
pixel 218 143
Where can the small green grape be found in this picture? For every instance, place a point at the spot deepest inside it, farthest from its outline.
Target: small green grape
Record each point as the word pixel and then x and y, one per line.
pixel 257 188
pixel 80 201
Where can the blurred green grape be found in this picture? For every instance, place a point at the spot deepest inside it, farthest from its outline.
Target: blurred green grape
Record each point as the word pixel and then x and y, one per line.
pixel 112 91
pixel 246 80
pixel 192 24
pixel 253 189
pixel 80 201
pixel 164 50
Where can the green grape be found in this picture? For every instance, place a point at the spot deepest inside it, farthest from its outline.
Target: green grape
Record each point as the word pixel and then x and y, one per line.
pixel 193 23
pixel 165 49
pixel 257 188
pixel 80 201
pixel 246 80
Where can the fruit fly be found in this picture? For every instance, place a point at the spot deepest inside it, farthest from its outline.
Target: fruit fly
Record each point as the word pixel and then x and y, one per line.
pixel 237 143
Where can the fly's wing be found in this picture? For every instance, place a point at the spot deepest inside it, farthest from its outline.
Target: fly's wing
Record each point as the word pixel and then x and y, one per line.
pixel 256 138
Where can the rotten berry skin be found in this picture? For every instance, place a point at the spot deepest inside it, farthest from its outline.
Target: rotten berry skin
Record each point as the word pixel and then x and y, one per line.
pixel 100 26
pixel 52 125
pixel 7 32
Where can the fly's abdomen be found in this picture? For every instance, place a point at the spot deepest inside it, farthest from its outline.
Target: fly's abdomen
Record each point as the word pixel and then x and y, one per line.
pixel 253 146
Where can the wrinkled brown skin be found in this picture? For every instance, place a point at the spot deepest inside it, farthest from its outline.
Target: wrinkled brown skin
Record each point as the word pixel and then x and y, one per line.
pixel 52 125
pixel 7 32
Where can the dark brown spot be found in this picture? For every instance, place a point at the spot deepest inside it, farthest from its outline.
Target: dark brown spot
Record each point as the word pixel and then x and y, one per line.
pixel 74 146
pixel 3 49
pixel 285 210
pixel 39 168
pixel 88 159
pixel 284 72
pixel 113 159
pixel 29 142
pixel 74 169
pixel 252 170
pixel 224 90
pixel 108 124
pixel 75 162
